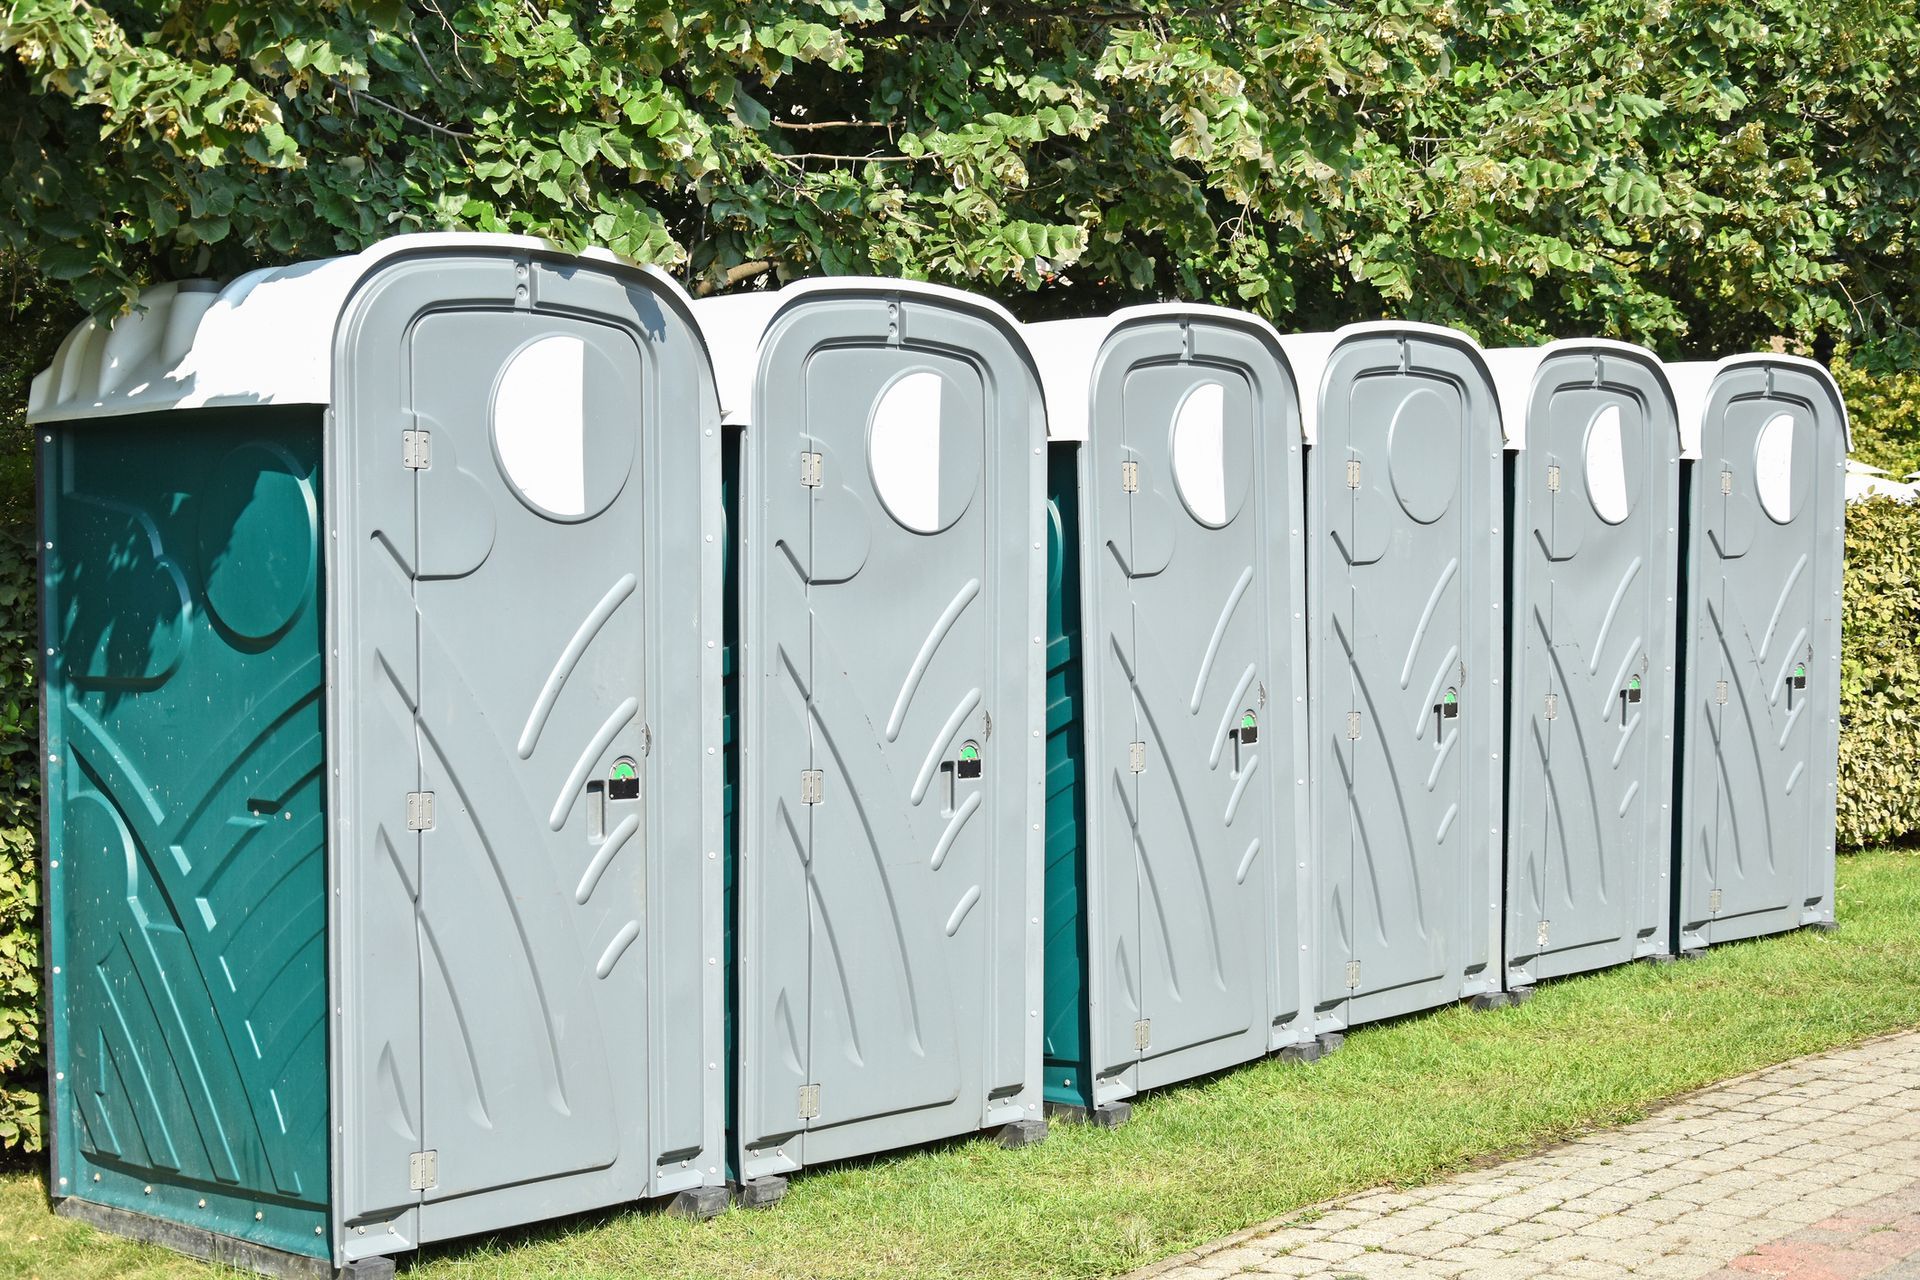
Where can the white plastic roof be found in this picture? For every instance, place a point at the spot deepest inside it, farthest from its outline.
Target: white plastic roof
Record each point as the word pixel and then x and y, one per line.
pixel 1309 353
pixel 734 326
pixel 264 338
pixel 1692 382
pixel 1067 349
pixel 1864 481
pixel 1514 369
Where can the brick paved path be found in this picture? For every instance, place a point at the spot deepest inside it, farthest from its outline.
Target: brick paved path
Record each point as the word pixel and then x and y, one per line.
pixel 1809 1171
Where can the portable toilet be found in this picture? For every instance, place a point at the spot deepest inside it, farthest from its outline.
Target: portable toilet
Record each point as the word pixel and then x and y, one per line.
pixel 1593 573
pixel 1767 440
pixel 381 724
pixel 1405 644
pixel 1176 862
pixel 887 882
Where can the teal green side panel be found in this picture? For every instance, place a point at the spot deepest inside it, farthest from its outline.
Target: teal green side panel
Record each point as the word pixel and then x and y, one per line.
pixel 187 830
pixel 1065 1070
pixel 730 441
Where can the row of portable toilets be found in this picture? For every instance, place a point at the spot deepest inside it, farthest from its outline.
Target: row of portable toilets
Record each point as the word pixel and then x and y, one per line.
pixel 521 741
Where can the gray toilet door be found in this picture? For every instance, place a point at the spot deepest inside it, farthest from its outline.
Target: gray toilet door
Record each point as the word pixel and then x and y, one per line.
pixel 1185 831
pixel 1767 494
pixel 1593 671
pixel 1404 456
pixel 884 863
pixel 498 450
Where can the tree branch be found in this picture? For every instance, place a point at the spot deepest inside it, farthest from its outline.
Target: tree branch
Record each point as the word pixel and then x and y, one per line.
pixel 734 275
pixel 458 135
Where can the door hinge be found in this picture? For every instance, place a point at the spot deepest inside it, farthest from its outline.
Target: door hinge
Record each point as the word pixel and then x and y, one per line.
pixel 1143 1033
pixel 809 1104
pixel 1553 477
pixel 1136 757
pixel 1553 706
pixel 416 450
pixel 1130 477
pixel 423 1171
pixel 813 467
pixel 1713 903
pixel 1720 692
pixel 1353 726
pixel 419 810
pixel 1541 939
pixel 1726 484
pixel 1353 473
pixel 812 785
pixel 1353 975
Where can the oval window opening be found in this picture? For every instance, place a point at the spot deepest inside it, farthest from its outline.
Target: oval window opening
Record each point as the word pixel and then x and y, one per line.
pixel 1607 466
pixel 1200 452
pixel 1773 467
pixel 540 424
pixel 903 450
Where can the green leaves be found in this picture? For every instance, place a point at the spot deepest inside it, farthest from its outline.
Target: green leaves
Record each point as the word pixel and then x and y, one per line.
pixel 1521 169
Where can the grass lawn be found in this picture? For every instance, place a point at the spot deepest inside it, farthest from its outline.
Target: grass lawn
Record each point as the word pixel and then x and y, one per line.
pixel 1404 1102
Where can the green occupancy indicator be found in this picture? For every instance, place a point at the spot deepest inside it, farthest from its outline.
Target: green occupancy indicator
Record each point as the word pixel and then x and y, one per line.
pixel 624 769
pixel 969 752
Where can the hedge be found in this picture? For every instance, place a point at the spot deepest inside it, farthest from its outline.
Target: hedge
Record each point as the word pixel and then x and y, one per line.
pixel 1879 796
pixel 21 1074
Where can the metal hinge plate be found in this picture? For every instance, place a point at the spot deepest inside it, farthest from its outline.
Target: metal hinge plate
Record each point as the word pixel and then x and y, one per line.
pixel 1353 975
pixel 1353 473
pixel 809 1102
pixel 416 450
pixel 1726 484
pixel 1541 940
pixel 812 785
pixel 423 1171
pixel 1353 726
pixel 1553 706
pixel 1136 757
pixel 1720 692
pixel 1553 477
pixel 419 810
pixel 1713 903
pixel 813 467
pixel 1143 1033
pixel 1130 477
